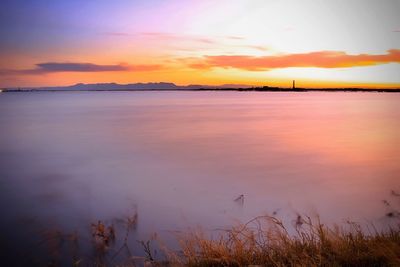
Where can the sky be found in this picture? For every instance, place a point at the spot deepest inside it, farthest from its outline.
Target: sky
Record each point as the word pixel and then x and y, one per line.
pixel 318 43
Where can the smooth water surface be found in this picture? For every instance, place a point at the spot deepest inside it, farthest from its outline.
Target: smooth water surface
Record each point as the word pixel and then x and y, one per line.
pixel 181 158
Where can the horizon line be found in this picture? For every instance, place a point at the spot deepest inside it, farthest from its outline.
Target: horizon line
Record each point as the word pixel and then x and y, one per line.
pixel 225 85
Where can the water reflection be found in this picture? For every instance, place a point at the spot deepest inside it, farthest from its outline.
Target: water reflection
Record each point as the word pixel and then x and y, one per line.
pixel 182 158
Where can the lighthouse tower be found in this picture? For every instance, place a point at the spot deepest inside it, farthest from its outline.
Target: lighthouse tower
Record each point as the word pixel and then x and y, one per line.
pixel 294 85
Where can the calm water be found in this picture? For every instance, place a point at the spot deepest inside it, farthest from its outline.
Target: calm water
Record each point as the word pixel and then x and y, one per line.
pixel 181 158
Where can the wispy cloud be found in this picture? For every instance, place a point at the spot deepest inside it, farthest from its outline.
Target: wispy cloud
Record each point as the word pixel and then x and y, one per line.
pixel 256 47
pixel 163 36
pixel 120 34
pixel 231 37
pixel 52 67
pixel 177 37
pixel 174 36
pixel 320 59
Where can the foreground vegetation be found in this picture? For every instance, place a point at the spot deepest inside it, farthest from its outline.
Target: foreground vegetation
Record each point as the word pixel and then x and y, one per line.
pixel 266 241
pixel 263 241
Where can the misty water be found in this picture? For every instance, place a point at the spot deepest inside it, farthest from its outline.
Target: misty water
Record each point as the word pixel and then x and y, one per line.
pixel 180 159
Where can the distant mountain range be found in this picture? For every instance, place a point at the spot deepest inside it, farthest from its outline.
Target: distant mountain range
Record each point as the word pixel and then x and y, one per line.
pixel 193 87
pixel 130 86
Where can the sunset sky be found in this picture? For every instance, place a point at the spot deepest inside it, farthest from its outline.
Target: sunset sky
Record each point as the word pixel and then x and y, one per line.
pixel 319 43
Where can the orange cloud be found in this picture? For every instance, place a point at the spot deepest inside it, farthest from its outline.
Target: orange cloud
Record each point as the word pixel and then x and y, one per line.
pixel 320 59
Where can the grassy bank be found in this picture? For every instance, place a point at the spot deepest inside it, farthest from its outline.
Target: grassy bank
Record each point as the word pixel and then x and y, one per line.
pixel 263 241
pixel 266 241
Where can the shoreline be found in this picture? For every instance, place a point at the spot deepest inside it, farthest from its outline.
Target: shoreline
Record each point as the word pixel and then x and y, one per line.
pixel 255 89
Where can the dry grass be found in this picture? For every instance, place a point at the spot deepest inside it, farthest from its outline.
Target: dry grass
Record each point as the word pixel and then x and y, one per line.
pixel 266 241
pixel 263 241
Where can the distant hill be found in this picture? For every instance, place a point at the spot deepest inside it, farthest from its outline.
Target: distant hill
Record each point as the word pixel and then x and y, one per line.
pixel 193 87
pixel 130 86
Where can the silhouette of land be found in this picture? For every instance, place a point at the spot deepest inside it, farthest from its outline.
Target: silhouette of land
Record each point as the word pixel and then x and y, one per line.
pixel 162 86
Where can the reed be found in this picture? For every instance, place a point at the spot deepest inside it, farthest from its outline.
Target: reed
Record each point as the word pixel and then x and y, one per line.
pixel 262 241
pixel 266 241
